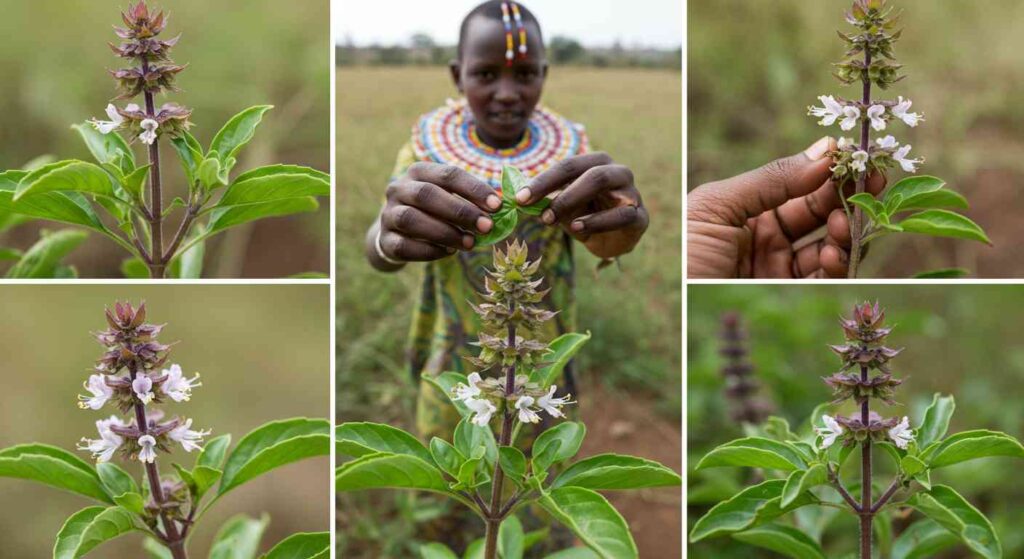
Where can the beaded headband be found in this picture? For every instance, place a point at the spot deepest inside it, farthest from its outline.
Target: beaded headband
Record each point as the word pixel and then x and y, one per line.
pixel 507 18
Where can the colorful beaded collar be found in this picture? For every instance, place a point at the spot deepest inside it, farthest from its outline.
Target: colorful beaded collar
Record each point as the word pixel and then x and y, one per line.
pixel 448 135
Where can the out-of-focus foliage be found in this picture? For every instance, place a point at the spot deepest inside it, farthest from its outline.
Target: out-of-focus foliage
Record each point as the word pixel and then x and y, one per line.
pixel 754 67
pixel 960 340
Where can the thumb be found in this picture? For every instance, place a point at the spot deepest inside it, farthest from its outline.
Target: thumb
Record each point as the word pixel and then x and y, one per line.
pixel 735 200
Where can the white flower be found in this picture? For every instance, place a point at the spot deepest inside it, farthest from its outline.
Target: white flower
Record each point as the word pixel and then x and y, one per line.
pixel 553 405
pixel 909 165
pixel 103 448
pixel 484 409
pixel 875 113
pixel 470 392
pixel 149 135
pixel 830 432
pixel 852 115
pixel 859 161
pixel 97 385
pixel 527 415
pixel 148 452
pixel 190 440
pixel 900 112
pixel 108 126
pixel 844 143
pixel 832 110
pixel 143 387
pixel 177 386
pixel 887 142
pixel 902 434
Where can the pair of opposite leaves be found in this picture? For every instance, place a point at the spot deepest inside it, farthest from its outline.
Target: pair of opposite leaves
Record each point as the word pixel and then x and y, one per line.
pixel 507 217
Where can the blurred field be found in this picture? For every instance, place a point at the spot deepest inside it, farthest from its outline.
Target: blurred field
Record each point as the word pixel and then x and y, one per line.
pixel 263 352
pixel 633 312
pixel 754 67
pixel 961 340
pixel 54 59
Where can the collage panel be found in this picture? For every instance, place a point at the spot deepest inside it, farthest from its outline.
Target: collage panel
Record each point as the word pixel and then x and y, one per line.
pixel 509 355
pixel 165 139
pixel 915 388
pixel 230 382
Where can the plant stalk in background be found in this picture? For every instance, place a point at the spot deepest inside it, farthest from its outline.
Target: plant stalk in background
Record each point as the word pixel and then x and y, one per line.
pixel 740 383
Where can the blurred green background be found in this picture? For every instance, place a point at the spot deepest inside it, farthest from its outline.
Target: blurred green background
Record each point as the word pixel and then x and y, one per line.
pixel 960 339
pixel 263 352
pixel 754 67
pixel 54 60
pixel 630 382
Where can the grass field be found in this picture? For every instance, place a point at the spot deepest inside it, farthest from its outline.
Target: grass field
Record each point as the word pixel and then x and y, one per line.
pixel 754 67
pixel 634 313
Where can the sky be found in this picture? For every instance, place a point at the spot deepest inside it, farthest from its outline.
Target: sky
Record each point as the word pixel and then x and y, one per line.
pixel 595 23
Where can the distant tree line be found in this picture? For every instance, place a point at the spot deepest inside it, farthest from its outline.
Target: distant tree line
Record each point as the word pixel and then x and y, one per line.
pixel 421 50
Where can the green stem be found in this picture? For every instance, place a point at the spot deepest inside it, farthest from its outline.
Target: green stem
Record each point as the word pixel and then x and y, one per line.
pixel 493 523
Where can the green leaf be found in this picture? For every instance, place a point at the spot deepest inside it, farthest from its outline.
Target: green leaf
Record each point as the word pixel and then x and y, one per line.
pixel 209 174
pixel 134 268
pixel 802 480
pixel 54 467
pixel 574 553
pixel 131 502
pixel 90 527
pixel 214 451
pixel 786 540
pixel 562 350
pixel 44 257
pixel 224 218
pixel 190 153
pixel 239 538
pixel 942 223
pixel 155 549
pixel 943 273
pixel 269 191
pixel 133 182
pixel 282 170
pixel 945 506
pixel 974 444
pixel 912 466
pixel 107 148
pixel 444 455
pixel 115 480
pixel 569 435
pixel 469 437
pixel 754 452
pixel 436 551
pixel 504 223
pixel 466 476
pixel 933 200
pixel 385 470
pixel 238 131
pixel 445 384
pixel 871 206
pixel 510 538
pixel 909 187
pixel 614 471
pixel 66 207
pixel 10 254
pixel 922 540
pixel 593 519
pixel 360 439
pixel 274 445
pixel 306 545
pixel 66 176
pixel 513 463
pixel 936 420
pixel 749 508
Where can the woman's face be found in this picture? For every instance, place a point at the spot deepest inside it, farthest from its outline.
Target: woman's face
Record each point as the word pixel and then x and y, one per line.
pixel 502 97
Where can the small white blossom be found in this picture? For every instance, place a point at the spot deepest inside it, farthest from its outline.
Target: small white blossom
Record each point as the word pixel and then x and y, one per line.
pixel 859 161
pixel 830 432
pixel 902 434
pixel 829 113
pixel 190 440
pixel 844 143
pixel 887 142
pixel 97 386
pixel 108 126
pixel 143 388
pixel 852 115
pixel 468 392
pixel 177 386
pixel 103 448
pixel 553 405
pixel 876 114
pixel 900 112
pixel 148 452
pixel 527 415
pixel 909 165
pixel 483 409
pixel 149 127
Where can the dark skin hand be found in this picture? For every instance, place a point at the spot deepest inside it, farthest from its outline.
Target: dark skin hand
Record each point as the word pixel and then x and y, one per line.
pixel 751 225
pixel 435 210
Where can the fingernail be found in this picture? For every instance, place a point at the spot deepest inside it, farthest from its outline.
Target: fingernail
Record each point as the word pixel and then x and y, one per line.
pixel 577 226
pixel 818 149
pixel 484 224
pixel 493 202
pixel 467 241
pixel 548 217
pixel 523 196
